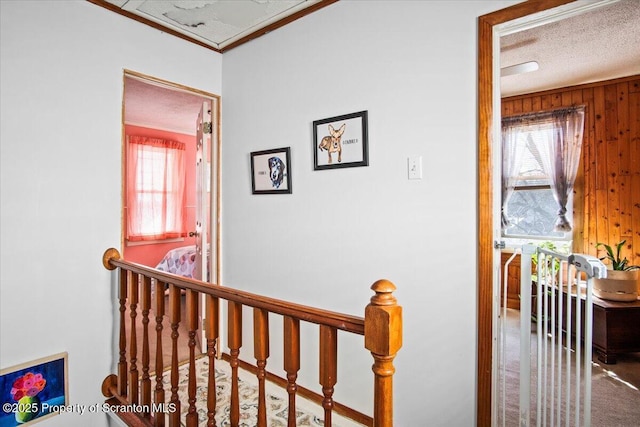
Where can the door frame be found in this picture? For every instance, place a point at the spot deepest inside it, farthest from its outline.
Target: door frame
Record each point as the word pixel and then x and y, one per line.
pixel 488 116
pixel 215 223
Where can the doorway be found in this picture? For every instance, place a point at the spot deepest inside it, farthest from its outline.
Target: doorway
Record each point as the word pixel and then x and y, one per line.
pixel 491 28
pixel 163 122
pixel 161 109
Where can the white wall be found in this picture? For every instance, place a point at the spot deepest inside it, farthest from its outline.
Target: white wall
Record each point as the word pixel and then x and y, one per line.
pixel 412 65
pixel 61 83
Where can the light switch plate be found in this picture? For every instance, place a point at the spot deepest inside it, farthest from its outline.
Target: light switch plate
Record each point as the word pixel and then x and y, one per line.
pixel 415 167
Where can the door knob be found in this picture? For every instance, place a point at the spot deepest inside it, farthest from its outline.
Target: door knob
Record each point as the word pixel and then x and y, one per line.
pixel 193 233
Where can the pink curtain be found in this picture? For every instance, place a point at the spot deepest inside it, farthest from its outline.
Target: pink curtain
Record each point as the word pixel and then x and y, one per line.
pixel 155 189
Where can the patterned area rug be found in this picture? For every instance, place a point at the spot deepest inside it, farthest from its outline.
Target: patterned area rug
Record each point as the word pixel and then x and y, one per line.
pixel 307 412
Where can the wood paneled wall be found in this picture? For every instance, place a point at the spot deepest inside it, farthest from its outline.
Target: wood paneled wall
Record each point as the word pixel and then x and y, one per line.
pixel 607 191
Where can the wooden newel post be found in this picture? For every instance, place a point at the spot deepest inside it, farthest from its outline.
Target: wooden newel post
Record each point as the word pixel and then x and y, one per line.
pixel 383 338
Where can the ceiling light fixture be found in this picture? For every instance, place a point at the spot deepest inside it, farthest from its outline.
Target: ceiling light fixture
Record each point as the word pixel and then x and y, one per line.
pixel 525 67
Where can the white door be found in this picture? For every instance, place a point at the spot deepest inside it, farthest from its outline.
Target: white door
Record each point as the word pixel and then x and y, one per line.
pixel 203 212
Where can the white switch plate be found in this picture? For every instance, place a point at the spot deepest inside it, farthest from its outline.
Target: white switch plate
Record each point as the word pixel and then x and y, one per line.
pixel 415 167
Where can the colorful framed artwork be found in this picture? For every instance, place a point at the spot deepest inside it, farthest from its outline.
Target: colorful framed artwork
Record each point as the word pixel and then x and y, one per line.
pixel 34 391
pixel 341 142
pixel 271 171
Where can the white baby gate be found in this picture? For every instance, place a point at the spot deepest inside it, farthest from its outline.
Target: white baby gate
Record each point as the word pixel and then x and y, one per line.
pixel 554 380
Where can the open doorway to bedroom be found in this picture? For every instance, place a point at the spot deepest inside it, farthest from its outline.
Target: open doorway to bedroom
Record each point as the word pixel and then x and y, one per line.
pixel 493 103
pixel 171 180
pixel 170 176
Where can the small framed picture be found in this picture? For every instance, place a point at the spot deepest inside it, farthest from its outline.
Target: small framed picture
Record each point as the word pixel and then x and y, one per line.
pixel 34 391
pixel 341 142
pixel 271 171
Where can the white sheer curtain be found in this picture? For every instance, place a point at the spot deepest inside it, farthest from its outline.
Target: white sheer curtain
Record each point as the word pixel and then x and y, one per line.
pixel 563 157
pixel 558 139
pixel 511 163
pixel 155 189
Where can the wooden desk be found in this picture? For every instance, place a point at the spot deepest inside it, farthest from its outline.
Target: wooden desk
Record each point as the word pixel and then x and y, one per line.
pixel 616 327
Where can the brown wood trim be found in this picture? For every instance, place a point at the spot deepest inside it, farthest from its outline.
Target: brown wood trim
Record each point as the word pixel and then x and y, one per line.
pixel 119 11
pixel 338 408
pixel 243 40
pixel 167 84
pixel 519 10
pixel 278 24
pixel 485 226
pixel 576 87
pixel 485 194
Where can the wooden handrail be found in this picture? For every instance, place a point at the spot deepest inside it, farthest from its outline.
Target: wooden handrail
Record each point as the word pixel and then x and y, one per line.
pixel 345 322
pixel 381 327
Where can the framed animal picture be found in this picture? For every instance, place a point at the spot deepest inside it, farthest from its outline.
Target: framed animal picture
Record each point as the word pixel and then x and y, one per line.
pixel 341 142
pixel 271 171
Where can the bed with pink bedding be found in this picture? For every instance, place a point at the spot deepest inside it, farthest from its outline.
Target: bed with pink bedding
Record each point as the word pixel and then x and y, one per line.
pixel 180 261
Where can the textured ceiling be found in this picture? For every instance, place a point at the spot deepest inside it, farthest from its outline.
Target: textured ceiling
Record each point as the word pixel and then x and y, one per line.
pixel 592 46
pixel 601 44
pixel 158 107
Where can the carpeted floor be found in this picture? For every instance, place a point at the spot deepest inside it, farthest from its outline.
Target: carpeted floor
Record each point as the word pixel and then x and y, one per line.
pixel 307 412
pixel 615 388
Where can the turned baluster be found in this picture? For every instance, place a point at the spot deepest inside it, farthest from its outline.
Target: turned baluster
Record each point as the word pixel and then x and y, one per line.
pixel 291 363
pixel 211 328
pixel 383 338
pixel 159 391
pixel 174 319
pixel 122 363
pixel 133 339
pixel 145 305
pixel 261 353
pixel 192 327
pixel 235 342
pixel 328 368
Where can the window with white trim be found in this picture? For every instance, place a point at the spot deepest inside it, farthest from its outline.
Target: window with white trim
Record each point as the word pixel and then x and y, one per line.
pixel 155 189
pixel 540 156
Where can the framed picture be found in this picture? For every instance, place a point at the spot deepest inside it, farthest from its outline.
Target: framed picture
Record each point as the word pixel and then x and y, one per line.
pixel 34 391
pixel 271 171
pixel 340 142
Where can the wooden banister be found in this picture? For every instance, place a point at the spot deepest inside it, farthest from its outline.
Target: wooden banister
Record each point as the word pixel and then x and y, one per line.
pixel 381 327
pixel 192 327
pixel 235 342
pixel 145 303
pixel 174 319
pixel 345 322
pixel 328 368
pixel 261 354
pixel 122 363
pixel 212 334
pixel 291 363
pixel 383 338
pixel 159 390
pixel 133 347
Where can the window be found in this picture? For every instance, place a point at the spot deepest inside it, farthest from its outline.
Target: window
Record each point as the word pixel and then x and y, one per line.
pixel 155 189
pixel 540 156
pixel 532 209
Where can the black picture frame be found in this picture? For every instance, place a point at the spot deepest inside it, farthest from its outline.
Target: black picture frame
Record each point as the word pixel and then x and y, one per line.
pixel 271 171
pixel 341 142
